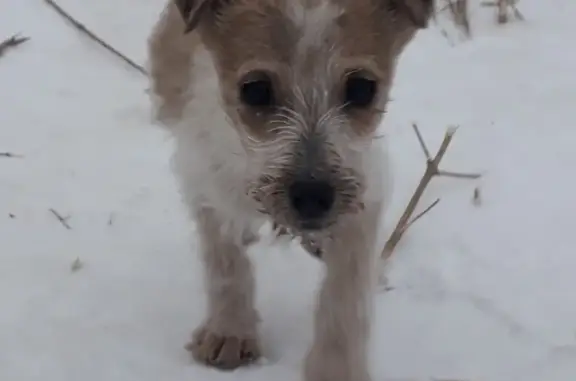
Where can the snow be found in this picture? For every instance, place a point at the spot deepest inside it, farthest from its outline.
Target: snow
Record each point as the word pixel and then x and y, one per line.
pixel 480 293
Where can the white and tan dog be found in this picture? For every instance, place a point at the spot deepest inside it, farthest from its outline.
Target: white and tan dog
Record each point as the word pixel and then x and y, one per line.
pixel 274 107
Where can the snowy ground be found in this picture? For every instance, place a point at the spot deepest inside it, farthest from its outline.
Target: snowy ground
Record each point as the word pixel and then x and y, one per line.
pixel 481 293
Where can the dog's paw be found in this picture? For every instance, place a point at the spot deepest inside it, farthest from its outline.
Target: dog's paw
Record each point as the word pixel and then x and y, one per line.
pixel 221 351
pixel 321 365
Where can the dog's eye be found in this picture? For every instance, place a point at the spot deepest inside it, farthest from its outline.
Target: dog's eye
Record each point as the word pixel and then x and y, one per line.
pixel 257 91
pixel 359 92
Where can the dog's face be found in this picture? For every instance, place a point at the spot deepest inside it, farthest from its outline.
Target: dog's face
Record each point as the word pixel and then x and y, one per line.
pixel 305 84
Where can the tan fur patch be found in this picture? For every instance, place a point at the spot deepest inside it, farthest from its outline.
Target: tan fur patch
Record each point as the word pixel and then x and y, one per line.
pixel 301 42
pixel 297 149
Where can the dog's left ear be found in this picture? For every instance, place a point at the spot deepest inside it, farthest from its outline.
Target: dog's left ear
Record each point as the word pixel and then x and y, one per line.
pixel 192 11
pixel 417 11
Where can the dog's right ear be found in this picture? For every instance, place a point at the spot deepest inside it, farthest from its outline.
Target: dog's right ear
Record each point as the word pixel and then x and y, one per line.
pixel 192 11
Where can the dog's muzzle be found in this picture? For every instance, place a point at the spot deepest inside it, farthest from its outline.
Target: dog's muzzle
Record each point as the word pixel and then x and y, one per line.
pixel 311 201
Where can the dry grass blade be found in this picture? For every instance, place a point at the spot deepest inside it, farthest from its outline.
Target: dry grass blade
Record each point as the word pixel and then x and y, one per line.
pixel 476 198
pixel 10 155
pixel 12 42
pixel 82 28
pixel 432 170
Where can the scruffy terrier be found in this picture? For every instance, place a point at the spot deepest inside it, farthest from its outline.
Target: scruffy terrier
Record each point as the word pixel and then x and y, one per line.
pixel 274 107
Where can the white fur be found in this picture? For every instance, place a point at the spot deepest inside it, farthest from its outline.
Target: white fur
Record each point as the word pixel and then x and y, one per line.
pixel 313 22
pixel 212 165
pixel 209 159
pixel 215 165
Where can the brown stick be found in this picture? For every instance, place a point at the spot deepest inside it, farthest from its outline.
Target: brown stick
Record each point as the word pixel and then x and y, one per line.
pixel 432 170
pixel 421 214
pixel 82 28
pixel 11 42
pixel 61 219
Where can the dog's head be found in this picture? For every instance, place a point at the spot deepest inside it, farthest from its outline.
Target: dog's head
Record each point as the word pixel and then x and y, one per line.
pixel 305 84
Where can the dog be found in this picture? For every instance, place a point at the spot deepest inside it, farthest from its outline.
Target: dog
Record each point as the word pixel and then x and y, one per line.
pixel 274 106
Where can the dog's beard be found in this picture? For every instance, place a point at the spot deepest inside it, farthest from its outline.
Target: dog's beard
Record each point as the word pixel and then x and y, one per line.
pixel 312 243
pixel 296 151
pixel 272 198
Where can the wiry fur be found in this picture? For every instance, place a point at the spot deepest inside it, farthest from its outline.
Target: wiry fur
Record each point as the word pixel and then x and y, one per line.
pixel 234 166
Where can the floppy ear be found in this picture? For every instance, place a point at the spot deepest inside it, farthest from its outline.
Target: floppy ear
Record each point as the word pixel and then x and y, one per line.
pixel 192 11
pixel 417 11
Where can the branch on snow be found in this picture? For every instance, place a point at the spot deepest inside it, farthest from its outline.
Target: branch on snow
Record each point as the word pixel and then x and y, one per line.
pixel 83 29
pixel 432 170
pixel 11 42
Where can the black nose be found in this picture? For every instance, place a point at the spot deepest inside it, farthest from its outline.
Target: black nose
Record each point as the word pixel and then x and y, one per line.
pixel 311 199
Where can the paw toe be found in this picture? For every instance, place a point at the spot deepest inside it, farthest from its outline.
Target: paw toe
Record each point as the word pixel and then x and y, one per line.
pixel 223 352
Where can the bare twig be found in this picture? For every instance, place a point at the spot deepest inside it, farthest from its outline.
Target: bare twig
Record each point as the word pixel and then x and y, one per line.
pixel 63 220
pixel 456 175
pixel 422 143
pixel 82 28
pixel 10 155
pixel 432 170
pixel 502 8
pixel 11 42
pixel 421 214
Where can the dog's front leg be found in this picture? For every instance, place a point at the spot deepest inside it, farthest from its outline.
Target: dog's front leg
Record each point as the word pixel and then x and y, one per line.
pixel 228 338
pixel 342 322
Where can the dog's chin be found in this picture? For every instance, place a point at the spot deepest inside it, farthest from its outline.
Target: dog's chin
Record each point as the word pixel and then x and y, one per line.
pixel 302 227
pixel 311 226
